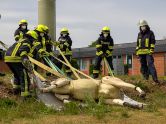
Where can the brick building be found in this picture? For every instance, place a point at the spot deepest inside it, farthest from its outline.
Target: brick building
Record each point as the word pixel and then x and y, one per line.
pixel 123 54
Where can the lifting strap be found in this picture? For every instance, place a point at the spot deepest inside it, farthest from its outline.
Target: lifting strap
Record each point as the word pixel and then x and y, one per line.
pixel 69 65
pixel 108 67
pixel 41 65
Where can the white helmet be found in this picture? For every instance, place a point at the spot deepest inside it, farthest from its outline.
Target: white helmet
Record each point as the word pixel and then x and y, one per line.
pixel 142 23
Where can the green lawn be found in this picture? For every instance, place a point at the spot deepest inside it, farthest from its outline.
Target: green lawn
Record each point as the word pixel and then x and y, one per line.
pixel 13 110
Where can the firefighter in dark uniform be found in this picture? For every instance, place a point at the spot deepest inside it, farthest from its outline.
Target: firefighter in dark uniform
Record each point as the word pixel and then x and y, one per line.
pixel 46 44
pixel 18 62
pixel 40 43
pixel 145 49
pixel 104 46
pixel 22 30
pixel 39 51
pixel 65 44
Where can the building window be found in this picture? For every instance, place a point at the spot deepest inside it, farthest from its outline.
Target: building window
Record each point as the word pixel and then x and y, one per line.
pixel 83 64
pixel 119 57
pixel 92 61
pixel 114 57
pixel 129 60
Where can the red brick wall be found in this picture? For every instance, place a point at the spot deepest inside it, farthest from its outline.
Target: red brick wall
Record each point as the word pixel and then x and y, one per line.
pixel 159 64
pixel 86 70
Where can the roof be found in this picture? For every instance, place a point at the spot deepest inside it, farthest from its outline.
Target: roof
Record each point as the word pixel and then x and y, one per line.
pixel 119 49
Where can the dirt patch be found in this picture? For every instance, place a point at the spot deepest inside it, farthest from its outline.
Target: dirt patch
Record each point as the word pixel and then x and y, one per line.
pixel 5 92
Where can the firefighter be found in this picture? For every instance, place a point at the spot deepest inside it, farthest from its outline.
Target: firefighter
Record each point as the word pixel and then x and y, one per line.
pixel 65 44
pixel 18 62
pixel 104 46
pixel 47 45
pixel 40 47
pixel 145 49
pixel 48 42
pixel 40 43
pixel 22 30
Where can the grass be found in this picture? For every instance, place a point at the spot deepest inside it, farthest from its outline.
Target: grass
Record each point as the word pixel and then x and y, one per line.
pixel 12 109
pixel 29 109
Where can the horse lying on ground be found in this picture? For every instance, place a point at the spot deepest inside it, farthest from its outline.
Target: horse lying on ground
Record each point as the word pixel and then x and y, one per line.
pixel 109 88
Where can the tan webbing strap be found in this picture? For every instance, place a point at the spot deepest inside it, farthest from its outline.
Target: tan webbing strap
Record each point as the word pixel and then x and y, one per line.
pixel 41 65
pixel 40 76
pixel 69 65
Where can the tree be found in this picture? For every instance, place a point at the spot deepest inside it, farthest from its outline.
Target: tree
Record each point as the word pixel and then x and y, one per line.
pixel 93 44
pixel 164 38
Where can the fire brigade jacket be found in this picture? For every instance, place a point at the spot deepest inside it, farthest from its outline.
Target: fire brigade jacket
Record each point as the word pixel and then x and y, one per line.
pixel 22 48
pixel 20 34
pixel 145 43
pixel 65 44
pixel 17 50
pixel 104 46
pixel 47 43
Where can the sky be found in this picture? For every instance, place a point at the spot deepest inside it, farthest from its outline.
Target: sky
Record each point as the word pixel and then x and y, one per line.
pixel 85 18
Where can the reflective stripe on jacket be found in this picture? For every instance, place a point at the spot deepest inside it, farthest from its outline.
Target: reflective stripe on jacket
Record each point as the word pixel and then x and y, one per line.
pixel 145 43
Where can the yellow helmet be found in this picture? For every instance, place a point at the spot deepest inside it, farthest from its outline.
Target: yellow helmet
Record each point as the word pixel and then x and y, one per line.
pixel 64 30
pixel 46 29
pixel 106 29
pixel 23 21
pixel 32 34
pixel 41 28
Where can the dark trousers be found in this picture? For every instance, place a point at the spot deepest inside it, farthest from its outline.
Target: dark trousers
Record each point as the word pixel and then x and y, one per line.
pixel 147 67
pixel 98 65
pixel 21 78
pixel 59 64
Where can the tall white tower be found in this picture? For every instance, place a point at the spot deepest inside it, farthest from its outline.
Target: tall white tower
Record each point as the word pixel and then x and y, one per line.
pixel 46 15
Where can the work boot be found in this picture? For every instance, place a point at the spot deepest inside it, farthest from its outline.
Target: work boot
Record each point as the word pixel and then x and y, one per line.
pixel 157 82
pixel 16 91
pixel 146 76
pixel 95 76
pixel 24 98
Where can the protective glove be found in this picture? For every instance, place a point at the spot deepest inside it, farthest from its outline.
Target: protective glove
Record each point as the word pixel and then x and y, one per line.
pixel 103 55
pixel 61 46
pixel 66 44
pixel 44 54
pixel 27 64
pixel 56 43
pixel 136 52
pixel 108 52
pixel 151 51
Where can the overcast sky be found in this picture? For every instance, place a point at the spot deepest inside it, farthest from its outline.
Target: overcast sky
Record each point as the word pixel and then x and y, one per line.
pixel 85 18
